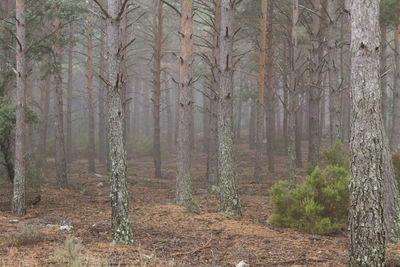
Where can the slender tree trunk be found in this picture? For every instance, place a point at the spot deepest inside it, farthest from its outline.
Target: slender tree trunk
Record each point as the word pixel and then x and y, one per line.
pixel 157 29
pixel 258 177
pixel 292 101
pixel 61 163
pixel 69 100
pixel 136 109
pixel 384 75
pixel 270 107
pixel 91 145
pixel 299 127
pixel 395 140
pixel 286 87
pixel 240 105
pixel 170 123
pixel 334 90
pixel 346 91
pixel 18 201
pixel 252 123
pixel 229 202
pixel 44 110
pixel 367 234
pixel 183 179
pixel 120 223
pixel 102 101
pixel 29 138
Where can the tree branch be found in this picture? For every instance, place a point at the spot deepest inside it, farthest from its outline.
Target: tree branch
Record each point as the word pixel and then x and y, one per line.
pixel 102 9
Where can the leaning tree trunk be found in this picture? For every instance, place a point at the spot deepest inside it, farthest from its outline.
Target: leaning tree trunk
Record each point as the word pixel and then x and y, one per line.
pixel 229 202
pixel 367 234
pixel 261 88
pixel 212 150
pixel 91 145
pixel 334 90
pixel 157 29
pixel 183 180
pixel 314 90
pixel 18 201
pixel 120 223
pixel 61 163
pixel 395 136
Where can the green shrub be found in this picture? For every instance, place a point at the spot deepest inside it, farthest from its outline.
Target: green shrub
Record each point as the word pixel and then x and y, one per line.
pixel 337 155
pixel 26 235
pixel 318 206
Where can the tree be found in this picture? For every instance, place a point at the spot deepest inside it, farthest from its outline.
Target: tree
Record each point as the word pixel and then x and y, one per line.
pixel 102 100
pixel 367 234
pixel 230 203
pixel 120 223
pixel 261 87
pixel 158 35
pixel 18 201
pixel 61 163
pixel 69 98
pixel 395 140
pixel 91 145
pixel 183 179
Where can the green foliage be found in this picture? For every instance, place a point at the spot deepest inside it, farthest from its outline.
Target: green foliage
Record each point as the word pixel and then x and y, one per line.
pixel 336 156
pixel 71 253
pixel 318 206
pixel 390 12
pixel 26 235
pixel 7 128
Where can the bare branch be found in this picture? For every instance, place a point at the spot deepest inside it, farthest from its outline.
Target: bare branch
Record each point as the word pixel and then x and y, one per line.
pixel 102 9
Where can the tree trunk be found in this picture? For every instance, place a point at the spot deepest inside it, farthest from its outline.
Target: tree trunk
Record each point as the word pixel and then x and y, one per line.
pixel 285 94
pixel 258 176
pixel 69 99
pixel 170 124
pixel 270 107
pixel 252 123
pixel 120 223
pixel 91 146
pixel 183 178
pixel 230 203
pixel 44 108
pixel 18 202
pixel 136 109
pixel 395 140
pixel 367 234
pixel 61 163
pixel 292 101
pixel 384 75
pixel 314 91
pixel 157 29
pixel 334 90
pixel 240 105
pixel 299 132
pixel 102 100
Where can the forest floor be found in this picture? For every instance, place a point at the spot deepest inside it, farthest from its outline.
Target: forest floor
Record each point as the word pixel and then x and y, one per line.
pixel 165 234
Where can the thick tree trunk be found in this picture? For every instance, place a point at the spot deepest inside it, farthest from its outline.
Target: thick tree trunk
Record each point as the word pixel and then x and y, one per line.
pixel 334 90
pixel 367 234
pixel 69 100
pixel 229 202
pixel 258 173
pixel 395 136
pixel 314 91
pixel 18 202
pixel 157 29
pixel 183 178
pixel 61 163
pixel 270 94
pixel 120 223
pixel 91 145
pixel 293 96
pixel 102 100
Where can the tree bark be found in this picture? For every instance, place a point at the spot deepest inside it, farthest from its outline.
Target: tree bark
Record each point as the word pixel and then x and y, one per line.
pixel 120 223
pixel 183 179
pixel 384 75
pixel 102 100
pixel 229 199
pixel 292 101
pixel 334 90
pixel 252 123
pixel 69 99
pixel 136 109
pixel 91 145
pixel 395 136
pixel 61 163
pixel 367 234
pixel 44 108
pixel 158 34
pixel 258 177
pixel 18 206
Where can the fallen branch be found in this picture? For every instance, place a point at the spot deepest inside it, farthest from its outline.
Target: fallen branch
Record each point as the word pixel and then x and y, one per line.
pixel 195 250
